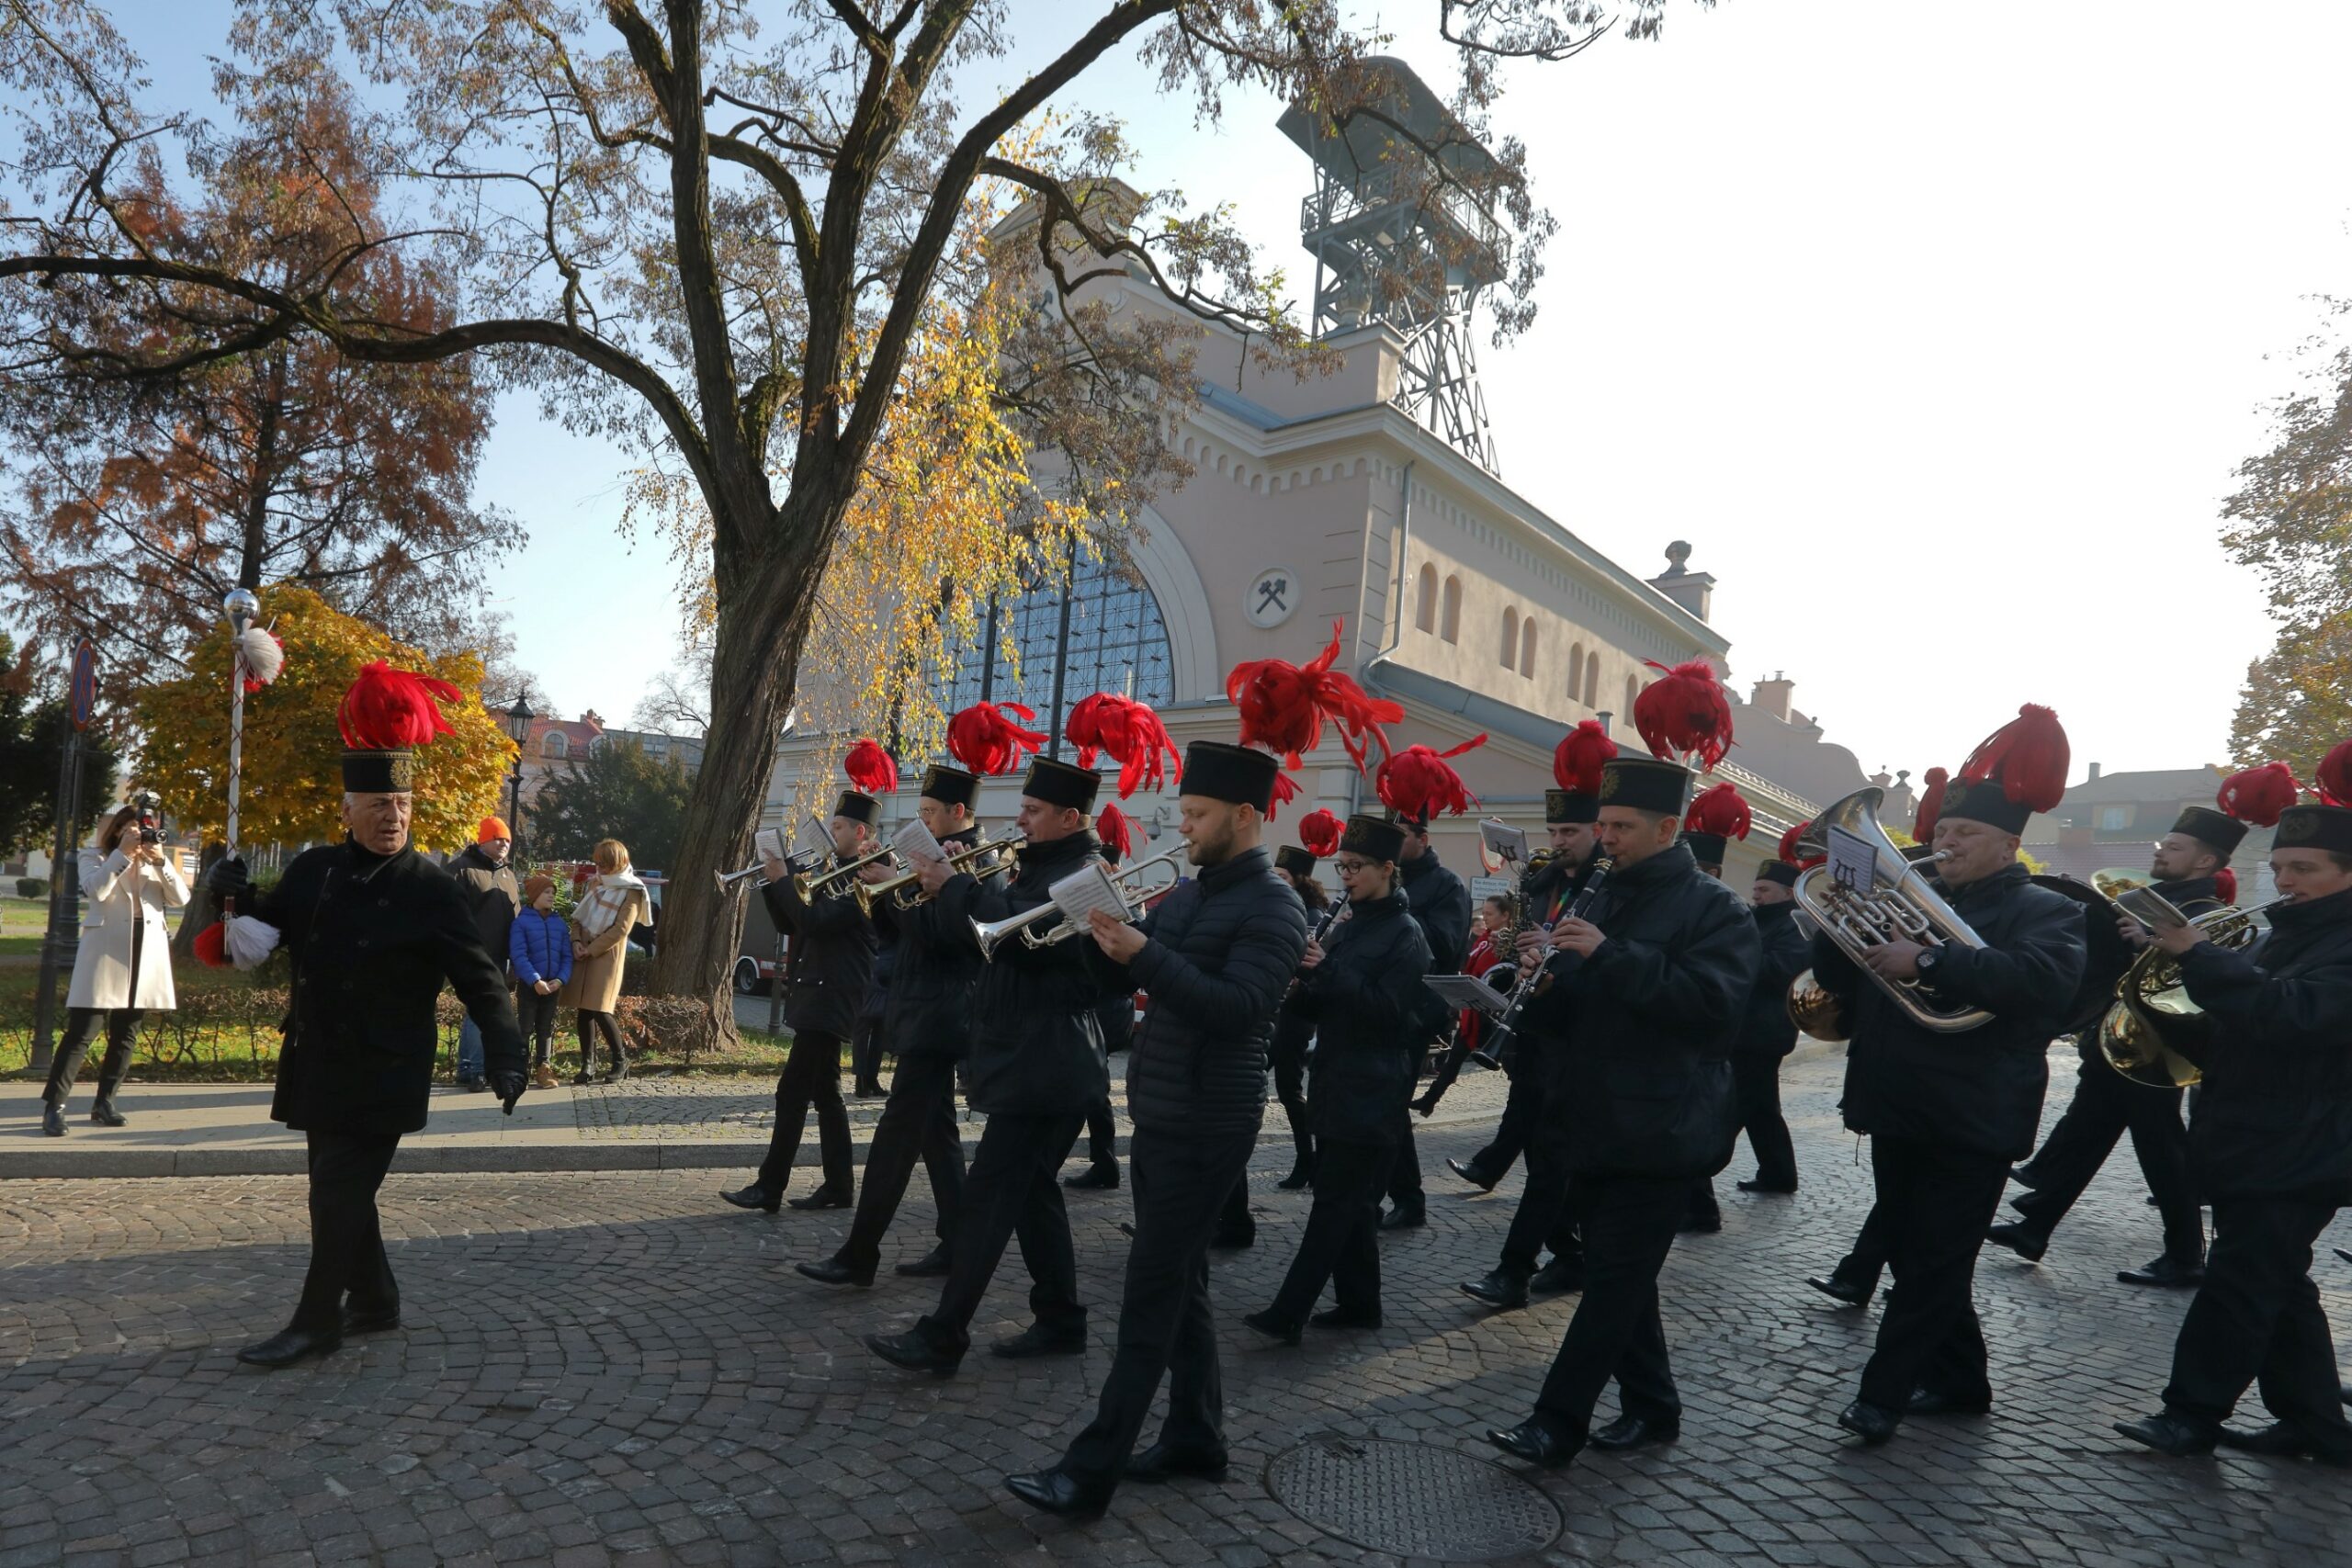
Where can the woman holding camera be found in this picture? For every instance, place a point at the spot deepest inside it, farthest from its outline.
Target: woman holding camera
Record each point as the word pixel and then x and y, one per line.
pixel 123 968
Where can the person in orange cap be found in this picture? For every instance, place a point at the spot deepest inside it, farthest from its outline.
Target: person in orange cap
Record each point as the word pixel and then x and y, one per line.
pixel 493 897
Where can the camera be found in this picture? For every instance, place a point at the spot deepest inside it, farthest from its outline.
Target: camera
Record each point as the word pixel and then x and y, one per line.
pixel 147 806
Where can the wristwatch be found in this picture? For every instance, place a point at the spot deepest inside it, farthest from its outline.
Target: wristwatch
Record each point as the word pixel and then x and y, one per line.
pixel 1928 961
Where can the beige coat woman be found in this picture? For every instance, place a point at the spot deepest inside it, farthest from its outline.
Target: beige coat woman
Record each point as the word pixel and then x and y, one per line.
pixel 611 905
pixel 125 891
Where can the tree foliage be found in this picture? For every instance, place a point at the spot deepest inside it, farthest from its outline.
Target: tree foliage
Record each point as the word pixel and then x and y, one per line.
pixel 617 791
pixel 34 723
pixel 292 784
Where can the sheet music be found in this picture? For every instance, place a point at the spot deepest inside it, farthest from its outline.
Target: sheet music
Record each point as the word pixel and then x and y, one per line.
pixel 1084 891
pixel 814 842
pixel 1852 862
pixel 914 839
pixel 768 844
pixel 1468 991
pixel 1508 842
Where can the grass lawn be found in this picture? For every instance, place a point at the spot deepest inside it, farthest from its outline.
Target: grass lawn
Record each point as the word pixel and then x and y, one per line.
pixel 22 920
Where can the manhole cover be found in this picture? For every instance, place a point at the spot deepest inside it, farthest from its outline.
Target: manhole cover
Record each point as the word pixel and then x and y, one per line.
pixel 1413 1500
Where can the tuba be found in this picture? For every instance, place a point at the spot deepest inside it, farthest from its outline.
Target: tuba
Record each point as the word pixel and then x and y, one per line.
pixel 1897 906
pixel 2147 1033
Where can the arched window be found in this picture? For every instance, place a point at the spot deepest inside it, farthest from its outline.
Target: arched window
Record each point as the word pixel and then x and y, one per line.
pixel 1633 690
pixel 1451 620
pixel 1591 680
pixel 1111 639
pixel 1510 637
pixel 1576 673
pixel 555 743
pixel 1527 647
pixel 1425 614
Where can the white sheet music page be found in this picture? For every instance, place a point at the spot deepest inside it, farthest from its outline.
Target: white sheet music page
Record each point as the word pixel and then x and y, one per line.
pixel 1084 891
pixel 815 841
pixel 915 838
pixel 1852 861
pixel 768 844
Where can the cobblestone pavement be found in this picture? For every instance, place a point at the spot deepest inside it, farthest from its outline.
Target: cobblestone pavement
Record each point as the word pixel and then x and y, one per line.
pixel 618 1368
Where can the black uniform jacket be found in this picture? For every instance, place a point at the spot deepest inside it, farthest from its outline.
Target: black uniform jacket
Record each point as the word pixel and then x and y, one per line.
pixel 1766 1029
pixel 2192 896
pixel 1036 1045
pixel 371 938
pixel 1220 951
pixel 2274 1114
pixel 1441 906
pixel 828 965
pixel 930 1007
pixel 1543 894
pixel 1980 1089
pixel 1649 1021
pixel 1364 1000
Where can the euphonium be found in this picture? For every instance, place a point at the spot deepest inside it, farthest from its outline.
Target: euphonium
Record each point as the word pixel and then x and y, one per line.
pixel 2144 1035
pixel 1899 907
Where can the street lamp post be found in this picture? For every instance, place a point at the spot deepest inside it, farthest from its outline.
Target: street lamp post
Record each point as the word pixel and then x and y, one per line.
pixel 518 727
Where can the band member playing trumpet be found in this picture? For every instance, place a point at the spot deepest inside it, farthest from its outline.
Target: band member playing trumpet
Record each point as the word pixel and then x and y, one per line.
pixel 1946 1113
pixel 1036 1062
pixel 2270 1144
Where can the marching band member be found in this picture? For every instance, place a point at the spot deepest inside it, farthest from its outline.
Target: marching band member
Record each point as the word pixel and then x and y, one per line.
pixel 1767 1034
pixel 1440 904
pixel 1716 817
pixel 1294 1033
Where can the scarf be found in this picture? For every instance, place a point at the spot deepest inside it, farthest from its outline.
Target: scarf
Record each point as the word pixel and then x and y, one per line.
pixel 601 906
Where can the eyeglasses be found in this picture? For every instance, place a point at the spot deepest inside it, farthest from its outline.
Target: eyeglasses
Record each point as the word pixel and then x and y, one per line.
pixel 1354 867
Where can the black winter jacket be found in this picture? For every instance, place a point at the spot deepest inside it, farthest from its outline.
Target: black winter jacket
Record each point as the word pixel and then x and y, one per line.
pixel 828 965
pixel 929 1011
pixel 1765 1029
pixel 1036 1045
pixel 1364 1000
pixel 1980 1089
pixel 2274 1114
pixel 1220 951
pixel 371 940
pixel 1439 902
pixel 1649 1021
pixel 490 893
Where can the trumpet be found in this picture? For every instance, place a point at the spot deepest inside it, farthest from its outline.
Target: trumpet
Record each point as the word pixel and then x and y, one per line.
pixel 809 884
pixel 1031 926
pixel 871 894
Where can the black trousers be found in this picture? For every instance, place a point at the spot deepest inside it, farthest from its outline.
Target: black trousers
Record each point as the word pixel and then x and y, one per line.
pixel 1756 1088
pixel 347 1238
pixel 2105 1106
pixel 865 1052
pixel 537 1013
pixel 1013 1189
pixel 1543 1217
pixel 1936 1202
pixel 1290 1088
pixel 1101 1134
pixel 1340 1243
pixel 1236 1226
pixel 812 1078
pixel 1522 1109
pixel 1405 1164
pixel 1868 1261
pixel 80 1023
pixel 1166 1328
pixel 2257 1319
pixel 918 1121
pixel 1617 1332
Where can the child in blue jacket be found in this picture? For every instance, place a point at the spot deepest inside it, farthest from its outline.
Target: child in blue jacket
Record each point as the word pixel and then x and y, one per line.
pixel 539 943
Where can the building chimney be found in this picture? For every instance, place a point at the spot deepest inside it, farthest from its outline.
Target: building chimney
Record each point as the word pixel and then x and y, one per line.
pixel 1773 695
pixel 1692 590
pixel 2094 778
pixel 1605 715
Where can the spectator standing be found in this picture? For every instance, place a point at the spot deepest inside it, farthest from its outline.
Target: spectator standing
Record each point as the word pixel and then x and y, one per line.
pixel 539 949
pixel 492 898
pixel 613 901
pixel 123 966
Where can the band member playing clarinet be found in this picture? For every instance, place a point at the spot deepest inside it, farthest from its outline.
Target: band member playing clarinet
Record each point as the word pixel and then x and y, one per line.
pixel 1216 956
pixel 2270 1144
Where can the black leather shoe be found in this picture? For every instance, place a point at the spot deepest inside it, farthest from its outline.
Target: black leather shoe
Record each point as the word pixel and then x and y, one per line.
pixel 1503 1290
pixel 2281 1439
pixel 932 1265
pixel 823 1198
pixel 1471 1174
pixel 2019 1240
pixel 105 1115
pixel 755 1197
pixel 370 1321
pixel 1871 1423
pixel 915 1352
pixel 1632 1432
pixel 1038 1340
pixel 1340 1318
pixel 1057 1492
pixel 835 1270
pixel 1557 1276
pixel 2171 1434
pixel 292 1344
pixel 2344 1392
pixel 2163 1272
pixel 1926 1401
pixel 53 1119
pixel 1536 1443
pixel 2023 1174
pixel 1844 1292
pixel 1706 1224
pixel 1232 1241
pixel 1301 1176
pixel 1767 1188
pixel 1159 1463
pixel 1281 1331
pixel 2346 1256
pixel 1103 1177
pixel 1404 1217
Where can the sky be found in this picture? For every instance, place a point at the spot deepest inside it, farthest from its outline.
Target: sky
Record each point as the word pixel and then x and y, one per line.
pixel 1937 333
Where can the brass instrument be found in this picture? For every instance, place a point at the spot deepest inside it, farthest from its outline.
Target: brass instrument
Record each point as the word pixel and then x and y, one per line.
pixel 2143 1033
pixel 728 879
pixel 1899 907
pixel 869 894
pixel 811 884
pixel 1030 924
pixel 1814 1008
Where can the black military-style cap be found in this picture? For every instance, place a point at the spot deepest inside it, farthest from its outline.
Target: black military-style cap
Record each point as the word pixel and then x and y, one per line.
pixel 1241 774
pixel 1061 783
pixel 1778 871
pixel 2207 826
pixel 1292 859
pixel 2316 827
pixel 858 806
pixel 1375 838
pixel 1707 849
pixel 1645 784
pixel 950 786
pixel 1984 800
pixel 1567 808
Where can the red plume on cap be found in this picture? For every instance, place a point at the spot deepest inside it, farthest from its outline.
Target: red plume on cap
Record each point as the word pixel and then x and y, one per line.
pixel 870 768
pixel 1286 791
pixel 2258 794
pixel 2028 757
pixel 2225 885
pixel 987 743
pixel 392 710
pixel 1083 727
pixel 1789 850
pixel 2335 781
pixel 1575 761
pixel 211 946
pixel 1719 810
pixel 1319 832
pixel 1285 706
pixel 1128 732
pixel 1685 714
pixel 1931 806
pixel 1117 828
pixel 1419 784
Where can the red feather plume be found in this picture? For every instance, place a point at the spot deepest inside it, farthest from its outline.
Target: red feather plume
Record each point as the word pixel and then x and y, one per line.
pixel 1719 810
pixel 987 741
pixel 211 949
pixel 1788 850
pixel 2029 756
pixel 1319 832
pixel 1286 791
pixel 1116 830
pixel 1285 706
pixel 1128 733
pixel 1685 714
pixel 1419 784
pixel 390 710
pixel 1576 760
pixel 2225 885
pixel 1083 727
pixel 1931 806
pixel 870 768
pixel 2258 794
pixel 2334 781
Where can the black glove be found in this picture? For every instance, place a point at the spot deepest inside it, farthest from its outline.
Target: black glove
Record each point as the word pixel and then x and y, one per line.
pixel 1427 1104
pixel 509 1089
pixel 227 878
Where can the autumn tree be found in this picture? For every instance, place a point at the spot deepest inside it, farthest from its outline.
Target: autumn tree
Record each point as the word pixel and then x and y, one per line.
pixel 711 232
pixel 617 791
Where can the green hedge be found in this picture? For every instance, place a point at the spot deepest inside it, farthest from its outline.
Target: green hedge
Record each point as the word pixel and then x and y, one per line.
pixel 32 887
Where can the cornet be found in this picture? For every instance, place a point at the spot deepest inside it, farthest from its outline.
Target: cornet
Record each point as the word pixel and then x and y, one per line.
pixel 810 883
pixel 870 894
pixel 1030 924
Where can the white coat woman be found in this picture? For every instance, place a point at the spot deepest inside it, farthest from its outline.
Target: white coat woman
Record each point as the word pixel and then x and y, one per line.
pixel 123 968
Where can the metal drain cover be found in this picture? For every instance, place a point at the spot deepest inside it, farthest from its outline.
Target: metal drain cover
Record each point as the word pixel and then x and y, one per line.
pixel 1413 1500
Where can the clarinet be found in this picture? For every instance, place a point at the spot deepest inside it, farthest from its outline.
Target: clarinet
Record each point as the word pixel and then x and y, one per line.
pixel 1532 982
pixel 1322 929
